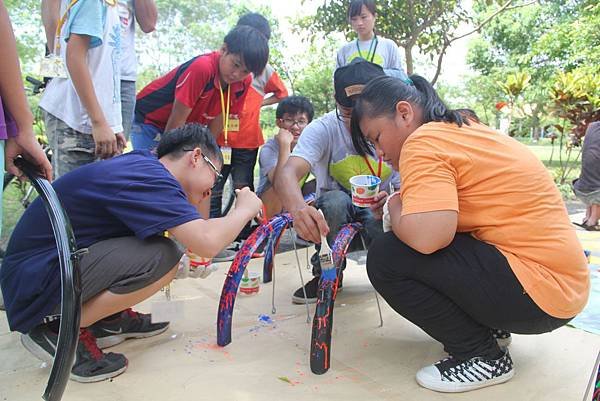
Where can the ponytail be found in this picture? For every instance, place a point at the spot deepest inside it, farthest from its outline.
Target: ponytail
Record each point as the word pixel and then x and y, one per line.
pixel 381 95
pixel 434 109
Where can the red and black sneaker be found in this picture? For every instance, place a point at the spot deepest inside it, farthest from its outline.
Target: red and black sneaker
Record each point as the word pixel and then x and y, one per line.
pixel 91 364
pixel 129 324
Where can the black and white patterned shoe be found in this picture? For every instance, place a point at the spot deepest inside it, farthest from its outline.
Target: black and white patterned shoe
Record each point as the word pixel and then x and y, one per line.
pixel 451 375
pixel 503 338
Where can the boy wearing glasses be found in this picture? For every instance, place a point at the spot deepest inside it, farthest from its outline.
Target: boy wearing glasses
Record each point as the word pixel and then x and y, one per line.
pixel 119 212
pixel 293 114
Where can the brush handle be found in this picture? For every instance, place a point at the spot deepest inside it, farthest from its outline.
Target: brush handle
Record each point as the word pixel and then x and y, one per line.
pixel 325 249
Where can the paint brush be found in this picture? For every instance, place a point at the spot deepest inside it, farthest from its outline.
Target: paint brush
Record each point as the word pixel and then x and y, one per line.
pixel 325 255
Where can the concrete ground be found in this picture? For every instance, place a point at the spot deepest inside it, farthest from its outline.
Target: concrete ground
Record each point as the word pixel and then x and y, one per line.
pixel 268 358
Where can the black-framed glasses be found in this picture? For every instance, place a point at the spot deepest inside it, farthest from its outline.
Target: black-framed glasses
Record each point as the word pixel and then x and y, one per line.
pixel 214 168
pixel 288 122
pixel 342 116
pixel 211 164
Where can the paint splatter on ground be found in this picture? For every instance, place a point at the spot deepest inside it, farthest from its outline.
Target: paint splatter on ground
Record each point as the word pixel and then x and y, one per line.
pixel 206 346
pixel 266 321
pixel 289 381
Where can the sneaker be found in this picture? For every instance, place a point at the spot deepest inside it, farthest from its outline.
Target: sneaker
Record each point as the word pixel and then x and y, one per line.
pixel 129 325
pixel 503 338
pixel 228 254
pixel 311 291
pixel 451 375
pixel 91 364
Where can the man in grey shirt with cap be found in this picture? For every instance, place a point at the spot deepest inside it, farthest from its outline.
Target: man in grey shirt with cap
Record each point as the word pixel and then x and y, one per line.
pixel 325 149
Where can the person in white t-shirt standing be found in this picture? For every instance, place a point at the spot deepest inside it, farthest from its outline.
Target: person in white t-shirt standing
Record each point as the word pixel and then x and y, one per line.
pixel 83 102
pixel 369 46
pixel 146 15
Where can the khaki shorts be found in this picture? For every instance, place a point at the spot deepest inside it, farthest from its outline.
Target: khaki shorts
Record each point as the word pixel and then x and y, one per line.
pixel 589 198
pixel 126 264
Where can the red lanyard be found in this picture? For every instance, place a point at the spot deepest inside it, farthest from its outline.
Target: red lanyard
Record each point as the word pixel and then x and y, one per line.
pixel 371 168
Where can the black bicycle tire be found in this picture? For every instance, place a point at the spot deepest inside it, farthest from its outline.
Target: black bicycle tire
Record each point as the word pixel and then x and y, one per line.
pixel 70 283
pixel 228 204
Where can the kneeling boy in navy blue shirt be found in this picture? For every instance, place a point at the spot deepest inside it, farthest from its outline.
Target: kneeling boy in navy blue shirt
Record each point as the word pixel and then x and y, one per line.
pixel 119 210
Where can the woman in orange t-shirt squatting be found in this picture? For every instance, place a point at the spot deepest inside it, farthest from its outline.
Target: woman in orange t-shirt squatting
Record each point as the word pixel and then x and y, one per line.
pixel 479 243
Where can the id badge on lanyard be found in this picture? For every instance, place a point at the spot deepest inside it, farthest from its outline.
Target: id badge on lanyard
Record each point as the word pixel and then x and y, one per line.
pixel 226 151
pixel 234 124
pixel 52 66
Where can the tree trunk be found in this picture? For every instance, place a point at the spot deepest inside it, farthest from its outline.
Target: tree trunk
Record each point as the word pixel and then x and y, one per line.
pixel 409 60
pixel 537 130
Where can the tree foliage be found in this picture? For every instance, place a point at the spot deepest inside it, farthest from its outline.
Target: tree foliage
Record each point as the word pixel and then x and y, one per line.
pixel 27 24
pixel 427 26
pixel 550 37
pixel 420 24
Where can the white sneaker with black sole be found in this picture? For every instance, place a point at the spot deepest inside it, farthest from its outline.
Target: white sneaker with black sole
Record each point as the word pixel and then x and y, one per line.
pixel 451 375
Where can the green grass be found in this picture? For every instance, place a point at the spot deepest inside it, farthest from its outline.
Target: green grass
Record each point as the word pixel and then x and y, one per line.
pixel 12 209
pixel 552 162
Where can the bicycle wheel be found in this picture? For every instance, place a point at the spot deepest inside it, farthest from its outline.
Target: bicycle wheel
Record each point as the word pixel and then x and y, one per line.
pixel 228 199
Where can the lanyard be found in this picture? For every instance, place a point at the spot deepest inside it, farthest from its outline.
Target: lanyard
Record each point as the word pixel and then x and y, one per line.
pixel 61 23
pixel 225 111
pixel 370 56
pixel 63 20
pixel 371 168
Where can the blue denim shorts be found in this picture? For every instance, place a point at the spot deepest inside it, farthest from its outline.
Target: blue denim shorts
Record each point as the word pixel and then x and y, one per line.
pixel 144 136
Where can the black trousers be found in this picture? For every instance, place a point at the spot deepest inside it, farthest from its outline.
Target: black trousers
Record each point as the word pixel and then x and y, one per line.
pixel 456 294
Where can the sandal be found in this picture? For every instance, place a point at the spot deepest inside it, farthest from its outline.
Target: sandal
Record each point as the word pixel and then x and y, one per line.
pixel 588 227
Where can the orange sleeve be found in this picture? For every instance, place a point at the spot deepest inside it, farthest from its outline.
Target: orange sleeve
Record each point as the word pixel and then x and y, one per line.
pixel 276 86
pixel 428 179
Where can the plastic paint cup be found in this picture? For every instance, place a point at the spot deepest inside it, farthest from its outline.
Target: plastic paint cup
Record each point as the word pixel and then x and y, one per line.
pixel 250 283
pixel 364 189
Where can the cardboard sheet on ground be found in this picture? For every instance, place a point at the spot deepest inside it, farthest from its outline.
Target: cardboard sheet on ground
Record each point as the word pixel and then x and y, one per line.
pixel 589 318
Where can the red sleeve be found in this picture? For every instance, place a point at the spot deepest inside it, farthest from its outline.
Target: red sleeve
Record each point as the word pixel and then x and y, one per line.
pixel 192 82
pixel 276 86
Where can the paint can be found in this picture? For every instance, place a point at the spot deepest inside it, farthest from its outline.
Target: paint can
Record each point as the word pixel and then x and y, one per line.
pixel 250 283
